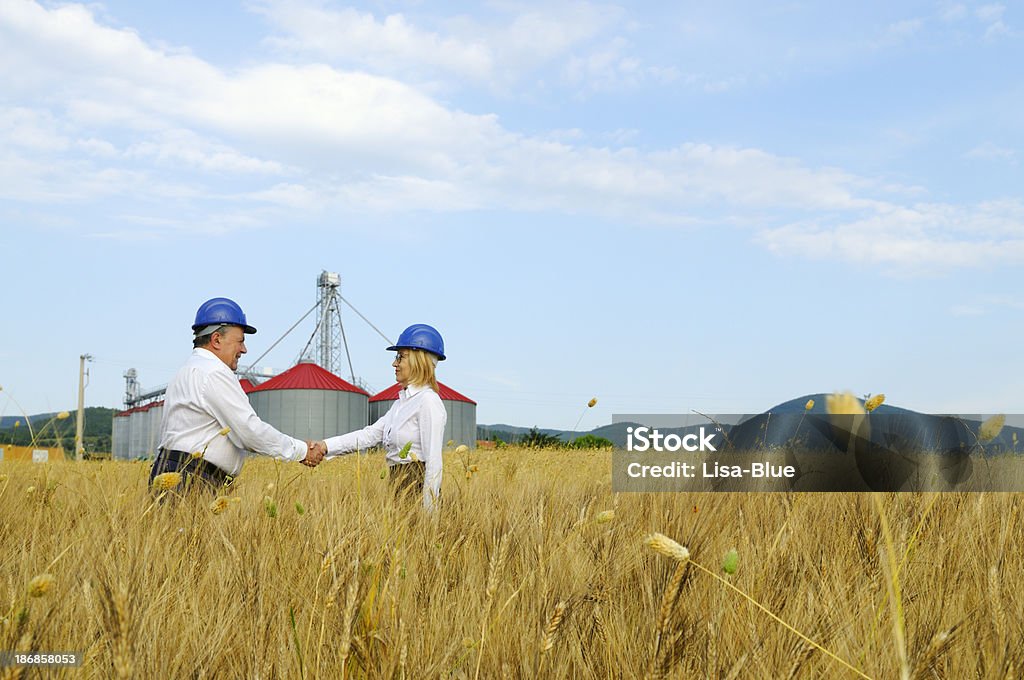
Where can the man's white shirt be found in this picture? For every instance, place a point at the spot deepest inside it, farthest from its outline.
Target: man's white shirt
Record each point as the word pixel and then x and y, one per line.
pixel 417 418
pixel 205 397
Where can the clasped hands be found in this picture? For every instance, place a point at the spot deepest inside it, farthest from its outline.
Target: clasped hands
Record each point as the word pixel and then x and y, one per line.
pixel 315 454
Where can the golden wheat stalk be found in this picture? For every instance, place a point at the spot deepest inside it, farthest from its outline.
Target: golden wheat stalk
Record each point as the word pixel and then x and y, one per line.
pixel 24 646
pixel 802 655
pixel 991 428
pixel 590 404
pixel 599 624
pixel 874 402
pixel 668 603
pixel 664 545
pixel 403 654
pixel 166 481
pixel 116 623
pixel 925 666
pixel 347 619
pixel 493 570
pixel 41 585
pixel 843 403
pixel 892 583
pixel 995 596
pixel 325 564
pixel 669 599
pixel 734 672
pixel 786 625
pixel 548 639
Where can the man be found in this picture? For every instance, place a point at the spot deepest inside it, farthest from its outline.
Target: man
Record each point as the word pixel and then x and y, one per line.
pixel 208 421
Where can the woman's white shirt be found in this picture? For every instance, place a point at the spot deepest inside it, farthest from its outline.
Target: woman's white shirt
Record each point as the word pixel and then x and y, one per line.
pixel 418 419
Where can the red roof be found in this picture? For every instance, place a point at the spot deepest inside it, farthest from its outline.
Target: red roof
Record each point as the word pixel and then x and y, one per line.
pixel 306 376
pixel 139 409
pixel 247 385
pixel 447 394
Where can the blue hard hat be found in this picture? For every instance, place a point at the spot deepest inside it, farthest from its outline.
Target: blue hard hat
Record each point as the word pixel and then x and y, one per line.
pixel 221 310
pixel 421 336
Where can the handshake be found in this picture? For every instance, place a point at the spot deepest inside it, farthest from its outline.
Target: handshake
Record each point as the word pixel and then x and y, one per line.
pixel 315 454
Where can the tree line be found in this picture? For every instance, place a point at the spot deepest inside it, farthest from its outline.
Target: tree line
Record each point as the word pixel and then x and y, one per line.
pixel 535 439
pixel 52 431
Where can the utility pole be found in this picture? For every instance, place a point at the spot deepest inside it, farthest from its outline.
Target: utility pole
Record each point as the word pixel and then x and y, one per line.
pixel 80 428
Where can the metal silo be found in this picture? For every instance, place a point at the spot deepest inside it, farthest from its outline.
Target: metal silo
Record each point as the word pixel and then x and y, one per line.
pixel 308 402
pixel 461 410
pixel 156 415
pixel 119 436
pixel 138 424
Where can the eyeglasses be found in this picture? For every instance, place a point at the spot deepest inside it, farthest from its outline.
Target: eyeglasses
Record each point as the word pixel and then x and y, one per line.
pixel 399 357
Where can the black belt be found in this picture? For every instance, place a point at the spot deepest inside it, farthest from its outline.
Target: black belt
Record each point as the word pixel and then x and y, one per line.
pixel 186 463
pixel 417 467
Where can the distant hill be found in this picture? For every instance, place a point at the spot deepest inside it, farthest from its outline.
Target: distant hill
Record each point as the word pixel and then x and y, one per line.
pixel 779 424
pixel 8 421
pixel 50 431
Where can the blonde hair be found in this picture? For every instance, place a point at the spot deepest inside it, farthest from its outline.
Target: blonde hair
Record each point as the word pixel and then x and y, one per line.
pixel 421 368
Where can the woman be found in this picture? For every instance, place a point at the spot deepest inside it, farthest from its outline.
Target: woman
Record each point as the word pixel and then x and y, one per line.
pixel 412 431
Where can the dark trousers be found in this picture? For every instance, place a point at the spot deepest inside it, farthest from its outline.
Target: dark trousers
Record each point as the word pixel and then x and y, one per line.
pixel 406 479
pixel 195 474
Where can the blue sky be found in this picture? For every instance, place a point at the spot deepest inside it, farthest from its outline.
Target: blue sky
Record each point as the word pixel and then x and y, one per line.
pixel 696 207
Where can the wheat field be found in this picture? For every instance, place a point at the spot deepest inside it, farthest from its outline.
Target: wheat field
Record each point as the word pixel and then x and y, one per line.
pixel 533 568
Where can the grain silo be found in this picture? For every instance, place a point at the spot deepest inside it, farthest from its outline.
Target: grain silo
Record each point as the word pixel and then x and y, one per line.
pixel 155 411
pixel 308 402
pixel 138 431
pixel 144 430
pixel 461 410
pixel 119 435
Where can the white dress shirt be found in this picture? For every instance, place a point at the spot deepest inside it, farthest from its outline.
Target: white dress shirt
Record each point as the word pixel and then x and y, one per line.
pixel 417 418
pixel 205 397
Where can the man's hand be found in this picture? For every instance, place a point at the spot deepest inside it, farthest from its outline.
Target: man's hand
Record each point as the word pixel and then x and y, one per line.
pixel 315 454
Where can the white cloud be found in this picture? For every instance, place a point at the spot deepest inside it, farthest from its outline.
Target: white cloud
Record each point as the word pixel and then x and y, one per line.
pixel 611 68
pixel 622 136
pixel 495 52
pixel 405 194
pixel 992 16
pixel 31 129
pixel 988 304
pixel 1004 302
pixel 138 226
pixel 387 45
pixel 292 196
pixel 568 135
pixel 97 147
pixel 967 310
pixel 996 29
pixel 905 28
pixel 990 13
pixel 188 148
pixel 115 116
pixel 540 36
pixel 67 41
pixel 43 180
pixel 951 12
pixel 911 240
pixel 991 152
